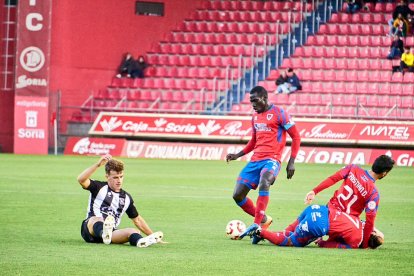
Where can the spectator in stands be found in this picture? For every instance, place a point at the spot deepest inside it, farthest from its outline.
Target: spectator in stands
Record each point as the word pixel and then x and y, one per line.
pixel 353 6
pixel 402 9
pixel 396 48
pixel 400 26
pixel 282 78
pixel 141 66
pixel 292 83
pixel 407 60
pixel 128 65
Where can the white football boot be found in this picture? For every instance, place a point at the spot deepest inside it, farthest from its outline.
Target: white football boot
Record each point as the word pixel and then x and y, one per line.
pixel 150 239
pixel 108 227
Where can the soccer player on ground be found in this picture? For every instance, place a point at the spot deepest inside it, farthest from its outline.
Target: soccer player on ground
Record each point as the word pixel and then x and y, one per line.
pixel 340 218
pixel 269 127
pixel 107 203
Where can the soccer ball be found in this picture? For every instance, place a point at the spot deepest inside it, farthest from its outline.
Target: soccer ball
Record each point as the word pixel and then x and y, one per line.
pixel 235 228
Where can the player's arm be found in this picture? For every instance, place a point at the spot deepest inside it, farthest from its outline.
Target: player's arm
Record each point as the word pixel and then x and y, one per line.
pixel 331 180
pixel 248 148
pixel 294 134
pixel 83 177
pixel 370 215
pixel 142 225
pixel 332 244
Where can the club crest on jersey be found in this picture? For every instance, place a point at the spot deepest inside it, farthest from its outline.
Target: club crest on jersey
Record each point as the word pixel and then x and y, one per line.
pixel 269 117
pixel 372 205
pixel 109 194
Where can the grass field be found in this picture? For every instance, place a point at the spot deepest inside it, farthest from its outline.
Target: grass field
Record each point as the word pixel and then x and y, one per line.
pixel 42 207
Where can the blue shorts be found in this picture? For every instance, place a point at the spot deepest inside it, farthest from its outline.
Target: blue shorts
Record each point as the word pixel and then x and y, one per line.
pixel 250 175
pixel 313 223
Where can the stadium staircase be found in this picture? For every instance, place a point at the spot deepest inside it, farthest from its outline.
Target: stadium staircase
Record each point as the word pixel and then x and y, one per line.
pixel 344 71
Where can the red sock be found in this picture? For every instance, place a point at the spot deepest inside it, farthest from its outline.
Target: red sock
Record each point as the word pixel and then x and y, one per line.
pixel 277 238
pixel 261 206
pixel 248 206
pixel 292 227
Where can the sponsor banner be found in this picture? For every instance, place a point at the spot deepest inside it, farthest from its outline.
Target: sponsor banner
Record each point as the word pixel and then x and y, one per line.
pixel 319 155
pixel 404 158
pixel 206 151
pixel 31 125
pixel 94 146
pixel 33 47
pixel 235 128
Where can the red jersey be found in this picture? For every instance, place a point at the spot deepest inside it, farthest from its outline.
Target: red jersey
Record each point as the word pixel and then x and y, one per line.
pixel 344 228
pixel 356 194
pixel 269 134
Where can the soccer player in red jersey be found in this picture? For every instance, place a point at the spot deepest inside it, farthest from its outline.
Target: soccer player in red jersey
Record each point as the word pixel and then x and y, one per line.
pixel 356 194
pixel 269 127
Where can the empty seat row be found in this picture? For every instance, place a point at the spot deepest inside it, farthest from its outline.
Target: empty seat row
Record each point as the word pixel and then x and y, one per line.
pixel 337 87
pixel 358 18
pixel 233 27
pixel 195 60
pixel 220 38
pixel 354 29
pixel 339 63
pixel 209 49
pixel 346 40
pixel 332 52
pixel 256 5
pixel 191 72
pixel 355 76
pixel 245 16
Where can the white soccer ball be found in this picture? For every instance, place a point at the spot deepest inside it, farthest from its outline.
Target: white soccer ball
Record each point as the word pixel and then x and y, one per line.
pixel 235 228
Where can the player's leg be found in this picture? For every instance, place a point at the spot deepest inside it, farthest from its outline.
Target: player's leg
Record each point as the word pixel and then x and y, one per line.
pixel 92 229
pixel 268 175
pixel 134 238
pixel 247 180
pixel 313 223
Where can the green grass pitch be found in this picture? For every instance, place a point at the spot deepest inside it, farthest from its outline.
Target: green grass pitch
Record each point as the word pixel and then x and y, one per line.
pixel 42 206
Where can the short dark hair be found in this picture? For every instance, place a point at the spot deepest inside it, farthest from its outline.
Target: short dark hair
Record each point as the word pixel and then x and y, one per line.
pixel 290 70
pixel 382 164
pixel 114 165
pixel 260 90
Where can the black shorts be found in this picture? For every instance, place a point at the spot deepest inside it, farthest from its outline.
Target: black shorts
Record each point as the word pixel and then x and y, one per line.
pixel 88 237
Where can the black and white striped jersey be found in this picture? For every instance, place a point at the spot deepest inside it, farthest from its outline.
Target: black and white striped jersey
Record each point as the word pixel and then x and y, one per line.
pixel 103 202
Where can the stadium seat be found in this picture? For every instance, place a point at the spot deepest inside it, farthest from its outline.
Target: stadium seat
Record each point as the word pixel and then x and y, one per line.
pixel 407 102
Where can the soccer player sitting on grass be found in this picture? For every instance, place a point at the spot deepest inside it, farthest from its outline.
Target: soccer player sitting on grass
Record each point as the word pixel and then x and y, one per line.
pixel 107 203
pixel 269 127
pixel 340 218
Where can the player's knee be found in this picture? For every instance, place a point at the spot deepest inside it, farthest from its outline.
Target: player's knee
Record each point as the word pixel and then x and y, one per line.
pixel 238 197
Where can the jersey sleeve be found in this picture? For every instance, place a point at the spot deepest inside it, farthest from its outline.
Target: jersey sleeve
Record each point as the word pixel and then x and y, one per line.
pixel 371 207
pixel 285 120
pixel 95 186
pixel 294 134
pixel 252 143
pixel 132 210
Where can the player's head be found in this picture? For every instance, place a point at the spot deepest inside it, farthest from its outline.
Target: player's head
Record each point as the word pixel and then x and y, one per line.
pixel 258 99
pixel 382 166
pixel 115 174
pixel 289 72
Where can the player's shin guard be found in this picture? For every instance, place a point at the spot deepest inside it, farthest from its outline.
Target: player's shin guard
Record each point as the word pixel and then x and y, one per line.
pixel 98 229
pixel 277 238
pixel 261 206
pixel 248 206
pixel 134 238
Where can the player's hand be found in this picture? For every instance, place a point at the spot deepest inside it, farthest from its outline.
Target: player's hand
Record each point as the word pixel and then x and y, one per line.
pixel 290 169
pixel 231 157
pixel 104 159
pixel 309 197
